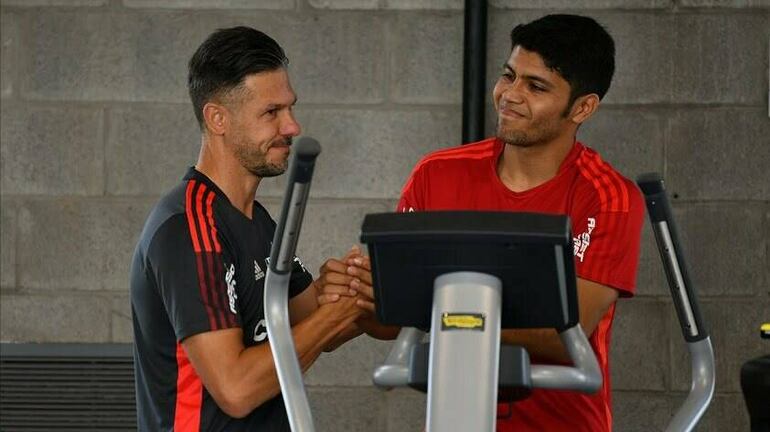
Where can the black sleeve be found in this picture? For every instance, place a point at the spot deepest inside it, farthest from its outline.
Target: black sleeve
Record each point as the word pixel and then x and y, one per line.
pixel 300 278
pixel 192 283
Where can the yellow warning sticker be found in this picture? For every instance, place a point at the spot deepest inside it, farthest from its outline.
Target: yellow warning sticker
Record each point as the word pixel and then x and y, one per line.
pixel 462 321
pixel 764 331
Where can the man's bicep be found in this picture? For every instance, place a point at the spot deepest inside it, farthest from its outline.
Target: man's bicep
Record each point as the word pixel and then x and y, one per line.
pixel 213 354
pixel 594 300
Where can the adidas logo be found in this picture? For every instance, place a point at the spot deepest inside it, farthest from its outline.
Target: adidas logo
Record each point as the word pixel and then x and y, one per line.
pixel 258 273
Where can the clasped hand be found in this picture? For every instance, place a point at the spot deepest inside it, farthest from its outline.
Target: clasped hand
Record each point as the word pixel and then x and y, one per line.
pixel 350 276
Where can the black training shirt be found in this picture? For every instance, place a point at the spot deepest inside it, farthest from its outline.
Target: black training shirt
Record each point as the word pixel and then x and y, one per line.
pixel 200 266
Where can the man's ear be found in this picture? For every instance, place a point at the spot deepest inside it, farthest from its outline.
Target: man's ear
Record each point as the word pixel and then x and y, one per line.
pixel 584 107
pixel 215 116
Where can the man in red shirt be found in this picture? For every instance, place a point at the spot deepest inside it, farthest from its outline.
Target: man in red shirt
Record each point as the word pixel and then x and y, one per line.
pixel 559 68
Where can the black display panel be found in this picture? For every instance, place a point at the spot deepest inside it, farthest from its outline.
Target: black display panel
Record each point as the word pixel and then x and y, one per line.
pixel 530 253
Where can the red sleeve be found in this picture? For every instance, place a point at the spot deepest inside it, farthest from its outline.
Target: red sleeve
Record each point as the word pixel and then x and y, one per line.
pixel 606 245
pixel 413 192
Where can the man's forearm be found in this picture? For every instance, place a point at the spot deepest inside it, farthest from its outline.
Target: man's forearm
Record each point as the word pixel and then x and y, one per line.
pixel 545 344
pixel 253 379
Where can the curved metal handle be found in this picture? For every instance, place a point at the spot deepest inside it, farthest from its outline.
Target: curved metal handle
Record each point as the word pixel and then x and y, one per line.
pixel 584 376
pixel 277 285
pixel 395 371
pixel 685 302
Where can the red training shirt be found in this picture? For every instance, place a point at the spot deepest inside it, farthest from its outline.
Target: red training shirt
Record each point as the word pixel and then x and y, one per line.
pixel 606 211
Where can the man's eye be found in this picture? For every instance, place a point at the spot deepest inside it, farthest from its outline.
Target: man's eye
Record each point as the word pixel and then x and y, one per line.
pixel 508 76
pixel 537 88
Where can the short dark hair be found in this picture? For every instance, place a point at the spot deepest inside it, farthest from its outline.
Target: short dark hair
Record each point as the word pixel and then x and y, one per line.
pixel 225 58
pixel 576 47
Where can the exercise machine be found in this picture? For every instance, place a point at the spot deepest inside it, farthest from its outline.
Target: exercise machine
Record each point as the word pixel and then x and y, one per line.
pixel 465 276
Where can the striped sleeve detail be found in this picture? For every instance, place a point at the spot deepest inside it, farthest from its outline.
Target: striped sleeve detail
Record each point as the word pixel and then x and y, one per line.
pixel 189 394
pixel 609 185
pixel 199 202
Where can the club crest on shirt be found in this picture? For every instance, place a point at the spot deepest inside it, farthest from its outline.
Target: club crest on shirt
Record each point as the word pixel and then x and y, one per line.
pixel 231 295
pixel 582 241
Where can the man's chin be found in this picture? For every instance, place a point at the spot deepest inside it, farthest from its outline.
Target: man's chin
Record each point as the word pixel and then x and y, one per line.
pixel 514 138
pixel 266 171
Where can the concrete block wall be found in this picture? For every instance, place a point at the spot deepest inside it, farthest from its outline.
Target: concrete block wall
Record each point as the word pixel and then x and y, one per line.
pixel 95 125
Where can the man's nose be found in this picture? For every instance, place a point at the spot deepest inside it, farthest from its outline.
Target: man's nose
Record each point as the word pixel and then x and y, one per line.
pixel 290 126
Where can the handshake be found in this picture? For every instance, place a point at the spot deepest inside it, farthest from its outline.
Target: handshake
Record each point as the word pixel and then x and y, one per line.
pixel 344 286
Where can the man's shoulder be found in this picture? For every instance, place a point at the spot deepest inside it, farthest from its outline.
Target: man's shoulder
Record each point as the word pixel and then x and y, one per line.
pixel 458 156
pixel 166 218
pixel 600 184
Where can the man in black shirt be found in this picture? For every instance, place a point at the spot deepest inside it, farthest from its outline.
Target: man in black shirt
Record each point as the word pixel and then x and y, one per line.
pixel 197 279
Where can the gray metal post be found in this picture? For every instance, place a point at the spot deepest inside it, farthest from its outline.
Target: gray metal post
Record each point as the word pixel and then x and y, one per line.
pixel 464 353
pixel 276 299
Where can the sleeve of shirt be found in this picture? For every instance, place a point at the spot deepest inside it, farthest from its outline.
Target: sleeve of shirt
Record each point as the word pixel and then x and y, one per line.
pixel 606 245
pixel 300 278
pixel 413 191
pixel 192 280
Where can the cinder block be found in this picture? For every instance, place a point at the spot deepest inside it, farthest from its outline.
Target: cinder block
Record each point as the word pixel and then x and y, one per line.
pixel 352 364
pixel 51 150
pixel 634 411
pixel 77 55
pixel 370 153
pixel 630 140
pixel 9 64
pixel 722 247
pixel 150 148
pixel 584 4
pixel 122 326
pixel 345 409
pixel 427 58
pixel 425 4
pixel 8 243
pixel 206 4
pixel 767 256
pixel 711 48
pixel 78 243
pixel 727 412
pixel 388 4
pixel 734 329
pixel 96 55
pixel 719 154
pixel 406 410
pixel 725 4
pixel 651 276
pixel 642 42
pixel 37 3
pixel 330 228
pixel 635 365
pixel 335 58
pixel 54 318
pixel 345 4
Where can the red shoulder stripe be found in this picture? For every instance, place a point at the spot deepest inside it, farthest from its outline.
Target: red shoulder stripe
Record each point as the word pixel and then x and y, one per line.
pixel 190 218
pixel 201 217
pixel 618 181
pixel 585 172
pixel 210 216
pixel 609 186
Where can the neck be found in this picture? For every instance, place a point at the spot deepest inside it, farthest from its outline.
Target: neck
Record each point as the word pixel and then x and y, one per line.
pixel 219 165
pixel 523 168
